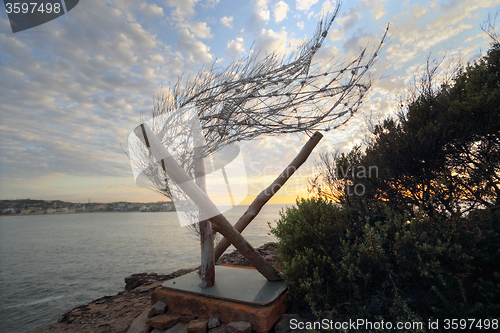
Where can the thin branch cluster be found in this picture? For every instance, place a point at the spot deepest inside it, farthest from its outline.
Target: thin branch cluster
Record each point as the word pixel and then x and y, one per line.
pixel 275 95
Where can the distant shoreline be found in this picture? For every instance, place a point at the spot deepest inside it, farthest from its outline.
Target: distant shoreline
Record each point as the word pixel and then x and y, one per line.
pixel 52 214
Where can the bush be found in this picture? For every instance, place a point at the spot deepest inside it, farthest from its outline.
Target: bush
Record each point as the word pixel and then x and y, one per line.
pixel 389 266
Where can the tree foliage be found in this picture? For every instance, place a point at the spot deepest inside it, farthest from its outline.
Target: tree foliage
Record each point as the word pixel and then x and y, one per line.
pixel 442 150
pixel 420 241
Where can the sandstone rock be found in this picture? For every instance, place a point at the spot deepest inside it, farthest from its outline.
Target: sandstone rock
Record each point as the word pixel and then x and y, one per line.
pixel 213 322
pixel 139 325
pixel 178 328
pixel 185 318
pixel 283 324
pixel 136 280
pixel 164 321
pixel 268 251
pixel 269 257
pixel 198 326
pixel 106 328
pixel 117 311
pixel 157 309
pixel 219 329
pixel 239 327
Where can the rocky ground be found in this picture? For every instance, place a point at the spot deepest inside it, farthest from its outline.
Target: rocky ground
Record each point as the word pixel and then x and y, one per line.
pixel 115 314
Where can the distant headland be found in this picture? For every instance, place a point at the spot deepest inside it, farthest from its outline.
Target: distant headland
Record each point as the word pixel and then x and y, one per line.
pixel 39 207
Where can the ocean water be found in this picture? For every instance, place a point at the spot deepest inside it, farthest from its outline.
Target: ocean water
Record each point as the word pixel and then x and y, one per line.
pixel 51 263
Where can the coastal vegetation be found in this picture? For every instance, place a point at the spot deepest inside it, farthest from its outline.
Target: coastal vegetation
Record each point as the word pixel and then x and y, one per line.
pixel 421 240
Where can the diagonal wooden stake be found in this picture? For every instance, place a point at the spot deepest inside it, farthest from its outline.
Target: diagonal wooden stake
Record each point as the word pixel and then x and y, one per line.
pixel 267 194
pixel 201 199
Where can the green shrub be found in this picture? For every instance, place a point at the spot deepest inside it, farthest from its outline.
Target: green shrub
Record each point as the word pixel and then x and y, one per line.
pixel 385 265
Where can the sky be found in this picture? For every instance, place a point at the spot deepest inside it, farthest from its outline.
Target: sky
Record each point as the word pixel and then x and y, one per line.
pixel 73 89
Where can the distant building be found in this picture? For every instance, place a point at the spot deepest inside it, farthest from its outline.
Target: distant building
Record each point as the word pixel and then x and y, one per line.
pixel 168 206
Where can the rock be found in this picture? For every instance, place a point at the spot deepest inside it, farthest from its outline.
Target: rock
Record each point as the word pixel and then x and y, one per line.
pixel 164 321
pixel 239 327
pixel 139 325
pixel 269 257
pixel 178 328
pixel 117 311
pixel 136 280
pixel 267 250
pixel 198 326
pixel 158 331
pixel 283 324
pixel 213 322
pixel 219 329
pixel 185 318
pixel 106 328
pixel 157 309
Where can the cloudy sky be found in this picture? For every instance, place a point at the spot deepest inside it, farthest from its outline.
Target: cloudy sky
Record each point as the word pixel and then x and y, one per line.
pixel 74 88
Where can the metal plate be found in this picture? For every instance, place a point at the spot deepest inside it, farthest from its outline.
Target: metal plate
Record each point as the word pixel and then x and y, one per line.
pixel 233 283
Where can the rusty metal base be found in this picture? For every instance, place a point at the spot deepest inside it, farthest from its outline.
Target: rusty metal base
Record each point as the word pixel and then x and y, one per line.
pixel 240 294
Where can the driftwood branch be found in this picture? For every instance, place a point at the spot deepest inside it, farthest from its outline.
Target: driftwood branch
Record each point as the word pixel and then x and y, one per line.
pixel 201 199
pixel 279 94
pixel 268 193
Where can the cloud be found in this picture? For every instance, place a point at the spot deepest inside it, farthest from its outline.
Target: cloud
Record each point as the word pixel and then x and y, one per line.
pixel 151 9
pixel 335 35
pixel 261 9
pixel 325 55
pixel 418 11
pixel 200 29
pixel 235 47
pixel 449 21
pixel 379 12
pixel 73 94
pixel 350 18
pixel 328 7
pixel 74 88
pixel 280 10
pixel 184 9
pixel 454 12
pixel 212 3
pixel 375 6
pixel 359 41
pixel 269 41
pixel 227 21
pixel 197 51
pixel 305 4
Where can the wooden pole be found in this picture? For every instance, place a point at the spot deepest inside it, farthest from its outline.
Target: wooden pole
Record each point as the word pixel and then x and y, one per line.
pixel 201 199
pixel 207 270
pixel 265 195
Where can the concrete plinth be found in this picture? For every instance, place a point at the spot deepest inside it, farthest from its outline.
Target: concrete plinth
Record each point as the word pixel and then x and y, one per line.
pixel 240 294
